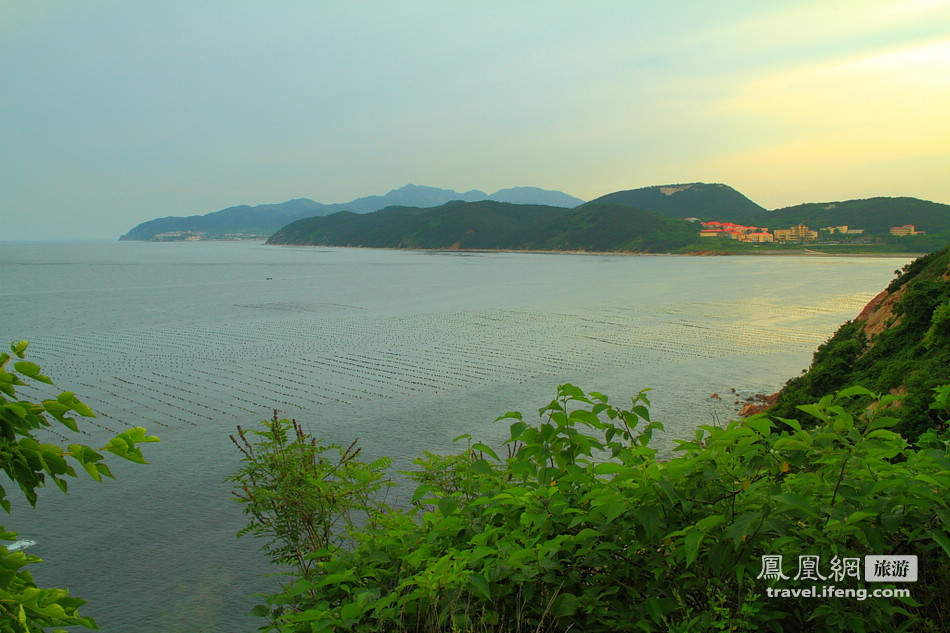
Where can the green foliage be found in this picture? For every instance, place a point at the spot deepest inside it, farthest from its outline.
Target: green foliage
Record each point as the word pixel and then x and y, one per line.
pixel 830 369
pixel 910 356
pixel 939 333
pixel 912 269
pixel 30 464
pixel 920 243
pixel 576 525
pixel 302 497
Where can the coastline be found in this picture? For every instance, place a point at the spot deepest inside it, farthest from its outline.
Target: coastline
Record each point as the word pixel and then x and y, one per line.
pixel 804 252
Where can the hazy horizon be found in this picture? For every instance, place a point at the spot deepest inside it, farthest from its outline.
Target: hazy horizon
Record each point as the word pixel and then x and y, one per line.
pixel 115 114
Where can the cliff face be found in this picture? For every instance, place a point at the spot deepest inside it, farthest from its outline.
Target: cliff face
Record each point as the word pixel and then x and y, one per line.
pixel 899 343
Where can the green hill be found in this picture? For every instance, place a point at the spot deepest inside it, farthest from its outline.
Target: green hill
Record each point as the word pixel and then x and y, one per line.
pixel 874 215
pixel 496 225
pixel 483 224
pixel 900 343
pixel 701 200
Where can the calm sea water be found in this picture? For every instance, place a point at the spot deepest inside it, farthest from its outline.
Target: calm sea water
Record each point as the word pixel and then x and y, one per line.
pixel 404 350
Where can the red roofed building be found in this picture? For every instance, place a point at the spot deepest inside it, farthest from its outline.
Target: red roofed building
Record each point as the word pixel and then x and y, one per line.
pixel 735 231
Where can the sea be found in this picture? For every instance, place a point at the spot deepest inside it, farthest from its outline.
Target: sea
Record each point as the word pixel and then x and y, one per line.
pixel 404 350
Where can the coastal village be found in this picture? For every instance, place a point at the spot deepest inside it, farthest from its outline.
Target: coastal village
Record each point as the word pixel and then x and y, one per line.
pixel 799 233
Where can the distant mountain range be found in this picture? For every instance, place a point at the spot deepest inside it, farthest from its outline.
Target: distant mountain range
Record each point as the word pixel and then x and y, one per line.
pixel 649 219
pixel 652 219
pixel 263 220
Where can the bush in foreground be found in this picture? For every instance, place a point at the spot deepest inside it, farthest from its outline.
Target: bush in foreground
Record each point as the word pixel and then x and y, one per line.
pixel 578 526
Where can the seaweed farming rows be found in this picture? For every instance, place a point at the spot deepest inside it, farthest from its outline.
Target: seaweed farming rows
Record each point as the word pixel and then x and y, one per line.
pixel 196 374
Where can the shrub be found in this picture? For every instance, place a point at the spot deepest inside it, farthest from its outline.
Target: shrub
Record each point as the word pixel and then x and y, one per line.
pixel 577 525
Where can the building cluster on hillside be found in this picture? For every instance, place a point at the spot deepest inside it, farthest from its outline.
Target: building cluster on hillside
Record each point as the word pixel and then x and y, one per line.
pixel 736 232
pixel 800 233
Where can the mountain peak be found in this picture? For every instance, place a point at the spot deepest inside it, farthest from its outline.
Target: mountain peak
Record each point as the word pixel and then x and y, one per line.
pixel 536 195
pixel 697 199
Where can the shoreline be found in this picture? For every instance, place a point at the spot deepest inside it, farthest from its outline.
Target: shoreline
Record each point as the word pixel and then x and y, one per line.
pixel 804 252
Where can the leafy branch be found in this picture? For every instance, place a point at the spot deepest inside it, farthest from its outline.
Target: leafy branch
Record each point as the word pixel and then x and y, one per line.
pixel 29 463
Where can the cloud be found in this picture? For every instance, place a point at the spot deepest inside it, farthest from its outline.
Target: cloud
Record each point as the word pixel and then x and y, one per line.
pixel 883 111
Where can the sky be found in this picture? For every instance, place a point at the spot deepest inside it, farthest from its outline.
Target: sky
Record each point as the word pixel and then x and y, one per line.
pixel 114 113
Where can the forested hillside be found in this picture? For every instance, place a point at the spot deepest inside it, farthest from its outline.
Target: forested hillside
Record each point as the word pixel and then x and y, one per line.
pixel 874 215
pixel 900 343
pixel 484 224
pixel 496 225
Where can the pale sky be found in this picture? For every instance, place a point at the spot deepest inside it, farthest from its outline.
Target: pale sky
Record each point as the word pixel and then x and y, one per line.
pixel 113 113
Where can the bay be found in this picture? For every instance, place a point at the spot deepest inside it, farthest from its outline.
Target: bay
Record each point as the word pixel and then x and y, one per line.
pixel 403 349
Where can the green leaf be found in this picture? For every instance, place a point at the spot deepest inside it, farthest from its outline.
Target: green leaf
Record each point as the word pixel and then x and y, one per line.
pixel 794 443
pixel 573 392
pixel 691 544
pixel 485 449
pixel 90 468
pixel 609 468
pixel 25 367
pixel 654 609
pixel 447 506
pixel 741 526
pixel 649 517
pixel 580 415
pixel 856 390
pixel 942 539
pixel 760 423
pixel 481 585
pixel 482 467
pixel 614 510
pixel 350 610
pixel 517 429
pixel 16 409
pixel 588 534
pixel 859 516
pixel 565 604
pixel 814 411
pixel 710 522
pixel 881 422
pixel 798 502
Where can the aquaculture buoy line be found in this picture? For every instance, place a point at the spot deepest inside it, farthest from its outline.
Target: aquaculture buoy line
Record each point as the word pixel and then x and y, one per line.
pixel 334 356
